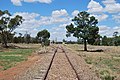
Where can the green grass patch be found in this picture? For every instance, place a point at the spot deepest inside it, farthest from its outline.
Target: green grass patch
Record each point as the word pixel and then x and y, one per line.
pixel 105 75
pixel 17 51
pixel 10 58
pixel 88 60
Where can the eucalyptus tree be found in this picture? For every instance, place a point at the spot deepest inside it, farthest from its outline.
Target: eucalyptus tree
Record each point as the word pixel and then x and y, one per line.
pixel 43 37
pixel 27 38
pixel 84 26
pixel 8 25
pixel 115 38
pixel 20 37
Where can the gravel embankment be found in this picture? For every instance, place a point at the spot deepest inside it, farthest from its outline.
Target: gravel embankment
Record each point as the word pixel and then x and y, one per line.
pixel 83 70
pixel 39 68
pixel 61 69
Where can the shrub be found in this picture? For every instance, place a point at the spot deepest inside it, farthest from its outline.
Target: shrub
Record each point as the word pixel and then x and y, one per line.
pixel 105 75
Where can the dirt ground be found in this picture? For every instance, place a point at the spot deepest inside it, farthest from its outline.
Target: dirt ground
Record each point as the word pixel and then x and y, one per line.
pixel 20 68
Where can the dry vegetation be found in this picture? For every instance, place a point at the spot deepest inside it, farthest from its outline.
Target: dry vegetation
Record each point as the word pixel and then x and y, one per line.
pixel 17 53
pixel 106 64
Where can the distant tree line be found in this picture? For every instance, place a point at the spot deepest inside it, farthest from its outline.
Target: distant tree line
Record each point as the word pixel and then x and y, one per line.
pixel 26 38
pixel 101 41
pixel 111 41
pixel 41 37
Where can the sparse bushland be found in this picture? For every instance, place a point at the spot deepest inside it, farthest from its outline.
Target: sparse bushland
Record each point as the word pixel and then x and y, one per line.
pixel 106 64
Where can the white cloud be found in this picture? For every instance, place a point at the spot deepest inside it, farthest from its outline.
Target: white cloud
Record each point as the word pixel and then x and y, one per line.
pixel 27 16
pixel 41 1
pixel 108 1
pixel 94 7
pixel 59 20
pixel 30 23
pixel 59 13
pixel 116 29
pixel 111 6
pixel 59 33
pixel 75 12
pixel 100 17
pixel 29 1
pixel 33 21
pixel 45 1
pixel 57 16
pixel 97 10
pixel 19 2
pixel 116 17
pixel 108 31
pixel 16 2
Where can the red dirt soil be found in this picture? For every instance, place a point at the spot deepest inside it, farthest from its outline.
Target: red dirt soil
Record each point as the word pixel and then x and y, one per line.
pixel 19 68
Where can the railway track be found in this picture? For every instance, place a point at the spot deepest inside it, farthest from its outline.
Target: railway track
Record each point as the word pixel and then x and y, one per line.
pixel 44 72
pixel 50 64
pixel 70 63
pixel 52 60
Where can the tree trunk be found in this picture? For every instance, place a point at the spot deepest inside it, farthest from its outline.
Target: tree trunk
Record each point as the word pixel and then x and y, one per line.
pixel 5 44
pixel 85 45
pixel 4 40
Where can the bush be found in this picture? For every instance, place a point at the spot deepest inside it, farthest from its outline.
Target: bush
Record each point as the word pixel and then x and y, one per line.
pixel 105 75
pixel 47 42
pixel 88 60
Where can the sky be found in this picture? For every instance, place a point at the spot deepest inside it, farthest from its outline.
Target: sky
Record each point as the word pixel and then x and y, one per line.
pixel 54 15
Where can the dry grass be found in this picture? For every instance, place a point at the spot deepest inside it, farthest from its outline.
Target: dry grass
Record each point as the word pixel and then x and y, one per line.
pixel 106 63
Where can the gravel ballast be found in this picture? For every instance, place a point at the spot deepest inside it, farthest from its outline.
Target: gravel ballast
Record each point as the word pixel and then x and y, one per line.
pixel 83 70
pixel 61 68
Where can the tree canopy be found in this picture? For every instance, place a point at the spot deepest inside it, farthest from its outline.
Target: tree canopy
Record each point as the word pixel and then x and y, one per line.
pixel 43 37
pixel 85 27
pixel 8 24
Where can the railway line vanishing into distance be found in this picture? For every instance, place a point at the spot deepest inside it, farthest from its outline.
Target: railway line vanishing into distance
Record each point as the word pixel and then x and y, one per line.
pixel 58 64
pixel 64 52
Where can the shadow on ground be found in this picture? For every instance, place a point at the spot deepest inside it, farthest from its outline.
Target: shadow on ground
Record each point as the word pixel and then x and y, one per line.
pixel 98 50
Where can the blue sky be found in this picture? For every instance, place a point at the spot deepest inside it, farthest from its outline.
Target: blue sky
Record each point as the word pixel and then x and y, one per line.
pixel 54 15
